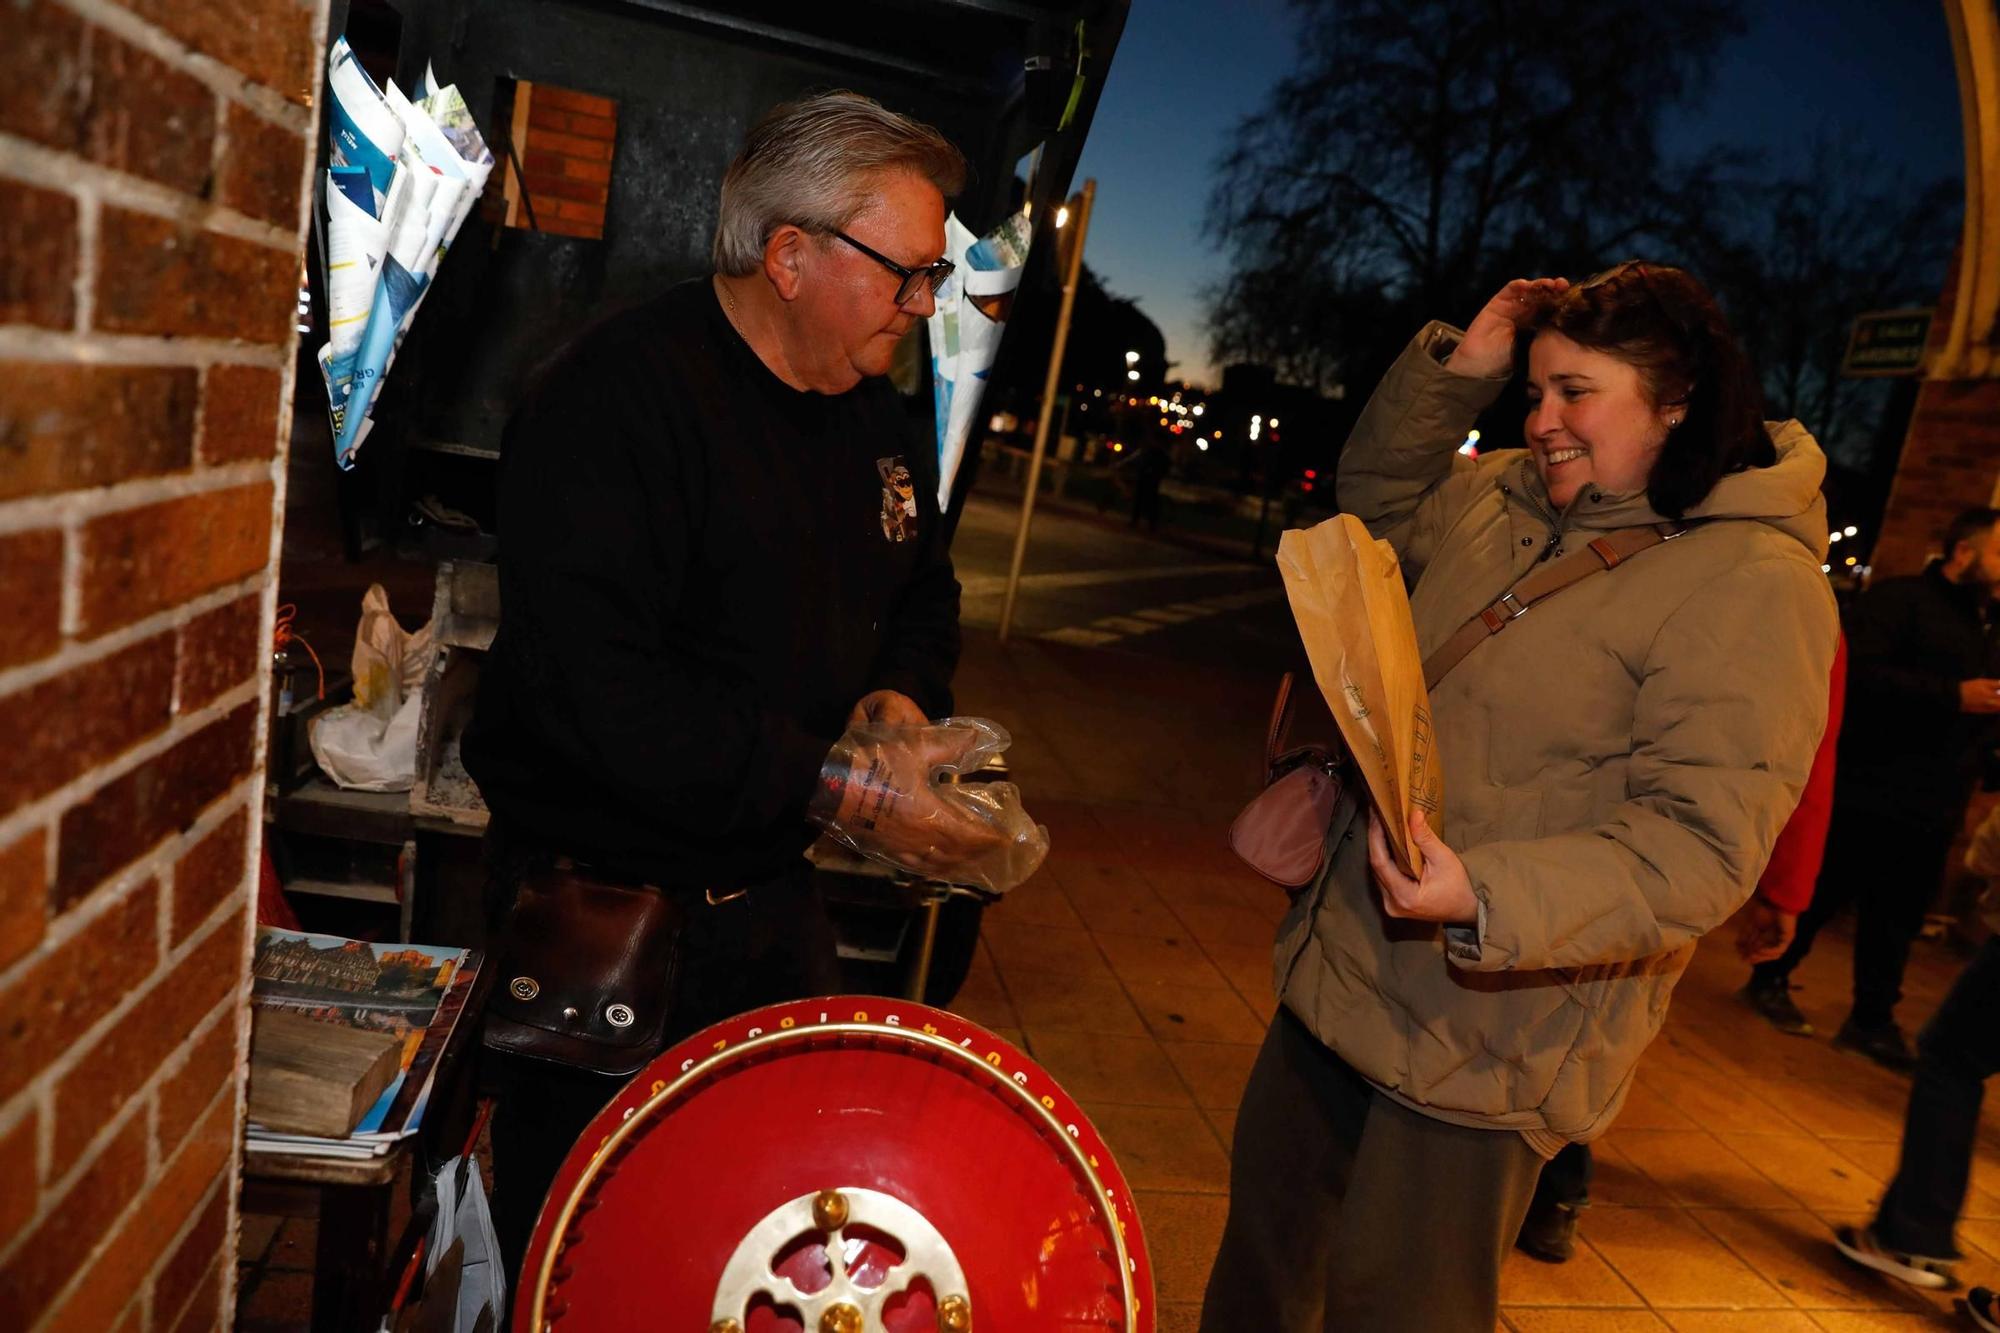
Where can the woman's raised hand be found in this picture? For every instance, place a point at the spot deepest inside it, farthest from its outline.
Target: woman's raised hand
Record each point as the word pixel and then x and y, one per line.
pixel 1488 348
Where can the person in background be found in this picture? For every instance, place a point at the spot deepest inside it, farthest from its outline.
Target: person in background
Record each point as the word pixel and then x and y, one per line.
pixel 1910 1239
pixel 1923 696
pixel 1764 929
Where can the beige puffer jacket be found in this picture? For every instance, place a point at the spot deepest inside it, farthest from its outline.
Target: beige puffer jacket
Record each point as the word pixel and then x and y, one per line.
pixel 1617 764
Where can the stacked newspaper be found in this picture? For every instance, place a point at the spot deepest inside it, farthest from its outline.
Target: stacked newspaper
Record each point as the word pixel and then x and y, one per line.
pixel 405 174
pixel 970 315
pixel 415 992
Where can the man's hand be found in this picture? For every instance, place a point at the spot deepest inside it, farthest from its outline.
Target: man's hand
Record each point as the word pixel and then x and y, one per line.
pixel 1765 932
pixel 889 806
pixel 1445 891
pixel 1979 696
pixel 1487 350
pixel 887 708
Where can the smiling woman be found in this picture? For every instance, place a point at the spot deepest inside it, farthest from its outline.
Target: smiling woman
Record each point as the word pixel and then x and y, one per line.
pixel 1617 765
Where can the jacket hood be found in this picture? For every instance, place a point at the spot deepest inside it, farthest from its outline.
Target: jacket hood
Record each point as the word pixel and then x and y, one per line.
pixel 1786 495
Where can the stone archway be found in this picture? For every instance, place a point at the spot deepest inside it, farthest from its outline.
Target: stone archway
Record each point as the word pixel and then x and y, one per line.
pixel 1951 454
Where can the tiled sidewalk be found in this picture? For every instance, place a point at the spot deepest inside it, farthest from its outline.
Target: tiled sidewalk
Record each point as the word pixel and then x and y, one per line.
pixel 1136 968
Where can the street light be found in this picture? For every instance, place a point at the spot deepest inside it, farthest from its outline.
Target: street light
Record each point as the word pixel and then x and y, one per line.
pixel 1850 530
pixel 1131 374
pixel 1198 408
pixel 1833 536
pixel 1062 217
pixel 1131 358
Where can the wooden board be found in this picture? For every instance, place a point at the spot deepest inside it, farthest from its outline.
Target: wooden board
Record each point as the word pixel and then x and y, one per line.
pixel 308 1077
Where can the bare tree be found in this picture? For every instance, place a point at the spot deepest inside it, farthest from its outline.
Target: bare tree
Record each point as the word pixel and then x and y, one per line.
pixel 1423 148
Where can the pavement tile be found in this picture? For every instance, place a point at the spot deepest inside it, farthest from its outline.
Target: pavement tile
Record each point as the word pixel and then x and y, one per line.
pixel 1577 1320
pixel 1097 1068
pixel 1225 924
pixel 1808 1169
pixel 1039 902
pixel 1190 1013
pixel 1072 1002
pixel 1118 900
pixel 282 1299
pixel 1215 1071
pixel 1138 960
pixel 1163 1147
pixel 1225 1124
pixel 1723 1105
pixel 1180 1317
pixel 1183 1232
pixel 1697 1168
pixel 1585 1280
pixel 1646 1107
pixel 1620 1184
pixel 1043 949
pixel 1794 1251
pixel 1881 1321
pixel 1833 1109
pixel 1741 1321
pixel 1673 1262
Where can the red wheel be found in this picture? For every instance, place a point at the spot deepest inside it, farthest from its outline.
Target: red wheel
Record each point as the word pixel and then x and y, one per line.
pixel 842 1165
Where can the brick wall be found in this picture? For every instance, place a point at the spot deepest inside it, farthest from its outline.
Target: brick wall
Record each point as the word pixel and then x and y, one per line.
pixel 565 140
pixel 153 158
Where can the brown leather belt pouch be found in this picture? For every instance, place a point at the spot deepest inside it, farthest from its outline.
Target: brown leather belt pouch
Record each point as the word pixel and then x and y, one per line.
pixel 586 971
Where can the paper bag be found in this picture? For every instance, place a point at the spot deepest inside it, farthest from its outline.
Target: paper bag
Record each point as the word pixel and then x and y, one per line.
pixel 1346 591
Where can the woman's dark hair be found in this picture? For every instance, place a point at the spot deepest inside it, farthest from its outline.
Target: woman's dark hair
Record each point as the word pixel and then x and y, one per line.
pixel 1663 322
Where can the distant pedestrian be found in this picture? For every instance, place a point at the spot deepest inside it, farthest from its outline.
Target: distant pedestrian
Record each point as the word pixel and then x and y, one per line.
pixel 1910 1239
pixel 1922 698
pixel 1149 469
pixel 1764 929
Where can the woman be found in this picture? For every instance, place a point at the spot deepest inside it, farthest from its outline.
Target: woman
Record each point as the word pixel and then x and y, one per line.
pixel 1617 765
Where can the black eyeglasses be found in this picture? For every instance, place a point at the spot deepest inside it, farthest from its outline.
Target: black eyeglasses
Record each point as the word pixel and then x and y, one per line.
pixel 933 274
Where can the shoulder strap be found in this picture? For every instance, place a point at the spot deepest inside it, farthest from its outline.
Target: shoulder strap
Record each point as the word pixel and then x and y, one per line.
pixel 1606 552
pixel 1281 723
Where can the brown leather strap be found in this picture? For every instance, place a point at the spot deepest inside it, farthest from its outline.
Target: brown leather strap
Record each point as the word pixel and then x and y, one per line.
pixel 1281 723
pixel 1606 552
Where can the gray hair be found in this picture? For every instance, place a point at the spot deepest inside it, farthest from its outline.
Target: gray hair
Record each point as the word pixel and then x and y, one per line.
pixel 805 163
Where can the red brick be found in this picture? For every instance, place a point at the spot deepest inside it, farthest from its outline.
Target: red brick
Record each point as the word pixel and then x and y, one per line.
pixel 161 797
pixel 37 256
pixel 204 1312
pixel 192 1259
pixel 209 874
pixel 108 1074
pixel 31 565
pixel 210 1066
pixel 219 651
pixel 597 150
pixel 275 42
pixel 564 187
pixel 150 1230
pixel 65 426
pixel 56 1251
pixel 44 71
pixel 139 561
pixel 263 169
pixel 76 984
pixel 568 99
pixel 239 414
pixel 57 731
pixel 546 115
pixel 24 896
pixel 562 226
pixel 155 275
pixel 144 117
pixel 578 169
pixel 17 1167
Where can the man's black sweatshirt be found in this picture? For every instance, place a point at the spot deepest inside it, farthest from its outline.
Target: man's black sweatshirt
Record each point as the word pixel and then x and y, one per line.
pixel 702 570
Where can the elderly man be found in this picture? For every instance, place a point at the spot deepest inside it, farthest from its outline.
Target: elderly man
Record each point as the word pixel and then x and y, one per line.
pixel 721 549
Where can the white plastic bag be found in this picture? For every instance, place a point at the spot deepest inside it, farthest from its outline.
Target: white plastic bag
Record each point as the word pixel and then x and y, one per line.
pixel 371 744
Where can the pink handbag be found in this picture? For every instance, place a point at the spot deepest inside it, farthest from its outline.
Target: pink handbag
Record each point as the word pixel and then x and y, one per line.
pixel 1281 834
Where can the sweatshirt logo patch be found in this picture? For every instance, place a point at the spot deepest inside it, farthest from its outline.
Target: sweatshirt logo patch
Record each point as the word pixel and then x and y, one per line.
pixel 899 500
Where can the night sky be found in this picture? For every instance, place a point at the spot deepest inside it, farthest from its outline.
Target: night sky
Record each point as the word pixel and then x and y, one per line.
pixel 1879 71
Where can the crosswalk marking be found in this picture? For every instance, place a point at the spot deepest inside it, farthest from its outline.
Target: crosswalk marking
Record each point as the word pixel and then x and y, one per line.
pixel 1109 629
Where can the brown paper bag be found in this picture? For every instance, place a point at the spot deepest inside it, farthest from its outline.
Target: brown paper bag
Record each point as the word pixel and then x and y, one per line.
pixel 1346 591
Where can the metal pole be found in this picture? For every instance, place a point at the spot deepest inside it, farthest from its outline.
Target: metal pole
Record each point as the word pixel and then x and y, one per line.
pixel 1081 221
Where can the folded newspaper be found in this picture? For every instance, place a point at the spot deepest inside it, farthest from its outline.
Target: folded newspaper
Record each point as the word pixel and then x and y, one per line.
pixel 1347 595
pixel 966 325
pixel 403 177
